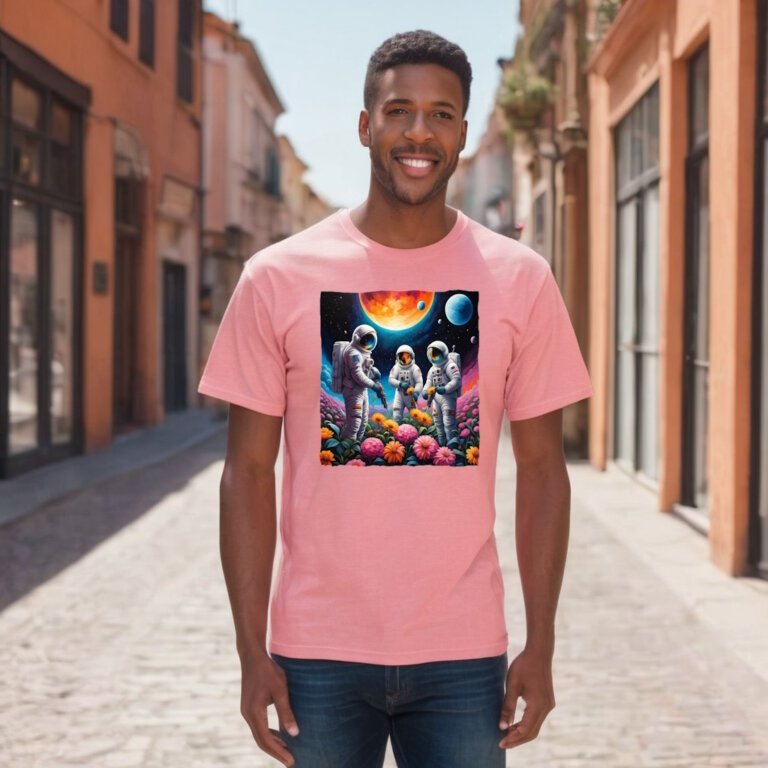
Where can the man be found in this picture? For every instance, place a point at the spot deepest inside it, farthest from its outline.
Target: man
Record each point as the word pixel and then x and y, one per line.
pixel 387 620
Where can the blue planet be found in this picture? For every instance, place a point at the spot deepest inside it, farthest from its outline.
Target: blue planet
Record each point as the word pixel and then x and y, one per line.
pixel 420 306
pixel 459 309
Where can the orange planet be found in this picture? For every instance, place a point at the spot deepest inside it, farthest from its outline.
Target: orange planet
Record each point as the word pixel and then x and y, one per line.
pixel 396 310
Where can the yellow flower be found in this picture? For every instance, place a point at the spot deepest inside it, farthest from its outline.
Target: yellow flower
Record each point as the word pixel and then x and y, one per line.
pixel 378 418
pixel 391 425
pixel 394 452
pixel 426 419
pixel 473 454
pixel 325 433
pixel 326 458
pixel 415 414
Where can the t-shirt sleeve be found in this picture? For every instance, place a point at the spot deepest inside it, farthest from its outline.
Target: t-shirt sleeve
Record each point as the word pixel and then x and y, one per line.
pixel 547 370
pixel 246 364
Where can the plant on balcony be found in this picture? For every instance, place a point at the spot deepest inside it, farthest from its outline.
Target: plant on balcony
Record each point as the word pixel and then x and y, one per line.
pixel 524 95
pixel 606 11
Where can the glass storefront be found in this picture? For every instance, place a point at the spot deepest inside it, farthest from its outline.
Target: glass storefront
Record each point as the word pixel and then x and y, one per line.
pixel 41 208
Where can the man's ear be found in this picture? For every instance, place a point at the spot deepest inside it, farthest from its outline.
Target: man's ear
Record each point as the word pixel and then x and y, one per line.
pixel 363 128
pixel 463 135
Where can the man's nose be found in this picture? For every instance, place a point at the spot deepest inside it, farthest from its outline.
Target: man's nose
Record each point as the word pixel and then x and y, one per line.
pixel 418 129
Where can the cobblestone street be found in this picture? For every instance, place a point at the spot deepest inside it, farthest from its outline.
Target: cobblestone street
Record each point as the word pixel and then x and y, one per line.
pixel 117 647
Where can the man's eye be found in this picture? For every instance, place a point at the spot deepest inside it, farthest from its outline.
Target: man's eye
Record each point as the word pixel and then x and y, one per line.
pixel 445 115
pixel 396 110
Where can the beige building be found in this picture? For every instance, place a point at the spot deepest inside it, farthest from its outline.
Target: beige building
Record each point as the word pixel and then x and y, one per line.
pixel 543 95
pixel 482 185
pixel 244 210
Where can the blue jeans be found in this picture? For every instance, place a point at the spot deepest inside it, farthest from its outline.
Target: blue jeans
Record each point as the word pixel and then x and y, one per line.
pixel 441 714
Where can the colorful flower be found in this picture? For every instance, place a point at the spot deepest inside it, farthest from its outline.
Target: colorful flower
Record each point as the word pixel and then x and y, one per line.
pixel 394 452
pixel 426 419
pixel 425 447
pixel 473 454
pixel 378 418
pixel 371 448
pixel 327 458
pixel 444 456
pixel 325 433
pixel 464 432
pixel 406 433
pixel 391 425
pixel 356 463
pixel 415 413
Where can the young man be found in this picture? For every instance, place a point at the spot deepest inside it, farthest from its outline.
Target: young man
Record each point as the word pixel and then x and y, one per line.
pixel 388 616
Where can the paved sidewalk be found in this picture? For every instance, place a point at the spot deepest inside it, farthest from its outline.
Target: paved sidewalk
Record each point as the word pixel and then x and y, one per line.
pixel 117 647
pixel 128 453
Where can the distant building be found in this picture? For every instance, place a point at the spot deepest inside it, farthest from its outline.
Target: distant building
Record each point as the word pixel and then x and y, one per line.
pixel 543 96
pixel 295 191
pixel 482 185
pixel 244 209
pixel 303 206
pixel 99 202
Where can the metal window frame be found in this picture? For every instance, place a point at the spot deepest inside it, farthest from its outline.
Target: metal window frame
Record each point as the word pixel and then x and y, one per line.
pixel 757 560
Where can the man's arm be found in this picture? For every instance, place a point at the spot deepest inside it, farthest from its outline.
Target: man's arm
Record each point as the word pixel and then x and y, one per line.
pixel 542 502
pixel 248 529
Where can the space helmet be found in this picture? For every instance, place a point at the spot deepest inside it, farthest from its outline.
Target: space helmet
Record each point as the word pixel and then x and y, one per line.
pixel 409 350
pixel 437 352
pixel 364 336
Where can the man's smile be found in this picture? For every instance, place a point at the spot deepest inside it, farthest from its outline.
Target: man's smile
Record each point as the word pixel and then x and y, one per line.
pixel 416 167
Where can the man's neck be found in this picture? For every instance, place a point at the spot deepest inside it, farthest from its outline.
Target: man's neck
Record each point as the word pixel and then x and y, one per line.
pixel 399 225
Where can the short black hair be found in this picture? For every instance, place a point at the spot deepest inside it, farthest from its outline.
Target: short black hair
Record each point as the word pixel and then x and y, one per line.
pixel 417 47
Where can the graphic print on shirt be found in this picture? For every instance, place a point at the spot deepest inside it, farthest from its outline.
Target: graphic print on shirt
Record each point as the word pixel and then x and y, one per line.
pixel 399 378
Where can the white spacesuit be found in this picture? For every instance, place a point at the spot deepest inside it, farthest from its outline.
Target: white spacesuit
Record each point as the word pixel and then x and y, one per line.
pixel 404 375
pixel 359 376
pixel 445 376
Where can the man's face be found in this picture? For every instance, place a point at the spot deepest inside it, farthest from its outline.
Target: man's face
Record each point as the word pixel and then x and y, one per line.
pixel 415 130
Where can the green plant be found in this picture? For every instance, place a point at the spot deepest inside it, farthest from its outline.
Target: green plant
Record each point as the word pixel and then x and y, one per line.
pixel 524 95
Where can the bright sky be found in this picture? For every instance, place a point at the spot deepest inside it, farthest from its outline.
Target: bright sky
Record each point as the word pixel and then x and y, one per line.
pixel 316 53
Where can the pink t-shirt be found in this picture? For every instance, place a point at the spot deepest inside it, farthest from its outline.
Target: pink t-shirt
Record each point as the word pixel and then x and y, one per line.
pixel 388 549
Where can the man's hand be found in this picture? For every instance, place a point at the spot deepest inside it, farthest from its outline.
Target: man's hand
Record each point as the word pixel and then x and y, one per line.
pixel 263 684
pixel 529 677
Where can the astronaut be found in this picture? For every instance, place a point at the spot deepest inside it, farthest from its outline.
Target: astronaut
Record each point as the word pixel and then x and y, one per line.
pixel 406 377
pixel 445 377
pixel 359 375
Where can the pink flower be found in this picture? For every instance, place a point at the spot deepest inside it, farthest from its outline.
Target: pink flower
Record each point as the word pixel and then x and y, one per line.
pixel 444 456
pixel 464 433
pixel 475 411
pixel 356 463
pixel 406 434
pixel 371 448
pixel 425 447
pixel 477 427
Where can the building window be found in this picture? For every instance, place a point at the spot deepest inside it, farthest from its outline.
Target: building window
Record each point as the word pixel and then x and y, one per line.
pixel 147 32
pixel 272 180
pixel 118 17
pixel 184 60
pixel 696 329
pixel 637 288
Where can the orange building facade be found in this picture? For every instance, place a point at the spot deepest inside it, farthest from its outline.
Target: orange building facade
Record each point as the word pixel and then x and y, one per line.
pixel 100 164
pixel 679 265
